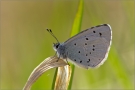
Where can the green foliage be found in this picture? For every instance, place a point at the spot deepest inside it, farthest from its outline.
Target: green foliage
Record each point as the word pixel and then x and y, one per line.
pixel 76 29
pixel 25 42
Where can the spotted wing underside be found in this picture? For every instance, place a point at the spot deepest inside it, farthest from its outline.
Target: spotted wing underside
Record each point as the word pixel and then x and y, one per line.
pixel 90 47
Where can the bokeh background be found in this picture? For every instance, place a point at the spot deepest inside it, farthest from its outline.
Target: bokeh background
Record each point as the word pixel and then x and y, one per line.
pixel 24 41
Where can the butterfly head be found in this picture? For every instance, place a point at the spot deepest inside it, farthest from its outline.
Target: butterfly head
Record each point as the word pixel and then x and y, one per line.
pixel 56 46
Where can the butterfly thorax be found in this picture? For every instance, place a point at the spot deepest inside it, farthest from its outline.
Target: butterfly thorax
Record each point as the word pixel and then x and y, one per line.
pixel 60 50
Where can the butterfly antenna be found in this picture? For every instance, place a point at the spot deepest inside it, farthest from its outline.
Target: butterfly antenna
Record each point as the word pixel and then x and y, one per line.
pixel 50 31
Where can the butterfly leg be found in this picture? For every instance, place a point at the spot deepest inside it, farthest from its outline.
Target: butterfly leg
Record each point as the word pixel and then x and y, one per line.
pixel 55 54
pixel 67 62
pixel 58 58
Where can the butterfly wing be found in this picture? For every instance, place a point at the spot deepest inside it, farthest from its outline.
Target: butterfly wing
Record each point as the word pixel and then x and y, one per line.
pixel 90 47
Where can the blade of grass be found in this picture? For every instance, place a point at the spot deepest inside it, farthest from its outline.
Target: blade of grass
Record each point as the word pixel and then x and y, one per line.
pixel 47 64
pixel 63 78
pixel 54 78
pixel 76 29
pixel 119 70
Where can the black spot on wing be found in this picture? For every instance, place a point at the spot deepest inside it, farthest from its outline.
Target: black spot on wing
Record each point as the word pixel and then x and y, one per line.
pixel 92 27
pixel 98 26
pixel 100 34
pixel 94 31
pixel 105 25
pixel 87 39
pixel 88 61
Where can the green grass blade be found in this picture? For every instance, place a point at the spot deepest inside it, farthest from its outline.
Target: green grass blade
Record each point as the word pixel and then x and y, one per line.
pixel 76 29
pixel 78 19
pixel 119 70
pixel 54 78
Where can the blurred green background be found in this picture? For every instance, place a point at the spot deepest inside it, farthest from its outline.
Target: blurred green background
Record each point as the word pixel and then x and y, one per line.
pixel 25 42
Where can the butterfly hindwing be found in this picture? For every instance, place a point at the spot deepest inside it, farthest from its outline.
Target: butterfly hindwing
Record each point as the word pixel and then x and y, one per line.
pixel 90 47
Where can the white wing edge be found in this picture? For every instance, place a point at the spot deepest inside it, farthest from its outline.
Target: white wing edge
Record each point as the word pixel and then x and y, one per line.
pixel 106 55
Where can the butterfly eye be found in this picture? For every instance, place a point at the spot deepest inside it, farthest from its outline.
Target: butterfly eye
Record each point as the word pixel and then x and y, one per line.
pixel 57 45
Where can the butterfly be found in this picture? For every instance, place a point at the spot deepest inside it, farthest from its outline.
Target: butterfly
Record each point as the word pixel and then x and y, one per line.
pixel 88 48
